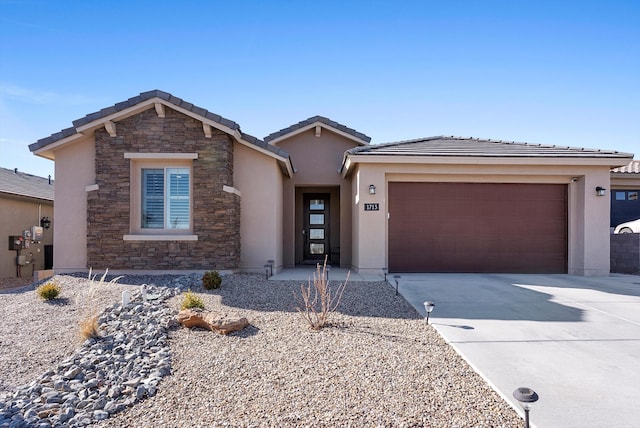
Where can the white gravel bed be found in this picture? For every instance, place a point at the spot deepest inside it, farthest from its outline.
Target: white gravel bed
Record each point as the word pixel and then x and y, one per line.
pixel 377 365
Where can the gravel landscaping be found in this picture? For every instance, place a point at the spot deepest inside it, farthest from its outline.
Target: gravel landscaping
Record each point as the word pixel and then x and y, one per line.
pixel 377 364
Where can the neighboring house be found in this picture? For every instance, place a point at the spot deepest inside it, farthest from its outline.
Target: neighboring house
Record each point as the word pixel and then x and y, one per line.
pixel 156 183
pixel 625 193
pixel 25 201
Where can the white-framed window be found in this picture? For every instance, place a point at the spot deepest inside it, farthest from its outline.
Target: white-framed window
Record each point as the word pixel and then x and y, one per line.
pixel 166 198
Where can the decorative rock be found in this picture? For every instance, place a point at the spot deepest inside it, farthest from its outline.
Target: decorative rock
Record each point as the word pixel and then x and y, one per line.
pixel 72 373
pixel 106 375
pixel 218 323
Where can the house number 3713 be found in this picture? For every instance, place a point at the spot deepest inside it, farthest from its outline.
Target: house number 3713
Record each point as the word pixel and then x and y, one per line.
pixel 371 207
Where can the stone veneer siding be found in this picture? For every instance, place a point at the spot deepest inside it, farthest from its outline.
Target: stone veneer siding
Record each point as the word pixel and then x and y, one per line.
pixel 625 253
pixel 215 213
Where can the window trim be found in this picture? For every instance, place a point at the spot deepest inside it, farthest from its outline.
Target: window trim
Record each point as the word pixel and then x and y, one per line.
pixel 137 164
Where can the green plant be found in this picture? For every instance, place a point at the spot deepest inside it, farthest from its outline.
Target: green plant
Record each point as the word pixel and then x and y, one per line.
pixel 191 300
pixel 49 290
pixel 317 300
pixel 211 280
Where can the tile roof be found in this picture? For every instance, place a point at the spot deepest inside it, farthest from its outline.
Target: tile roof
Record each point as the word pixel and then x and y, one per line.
pixel 463 146
pixel 632 168
pixel 359 135
pixel 20 183
pixel 144 96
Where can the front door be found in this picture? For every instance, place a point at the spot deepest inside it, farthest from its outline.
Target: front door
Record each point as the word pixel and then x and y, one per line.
pixel 316 227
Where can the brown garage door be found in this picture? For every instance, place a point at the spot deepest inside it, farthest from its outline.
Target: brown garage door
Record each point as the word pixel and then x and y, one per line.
pixel 477 227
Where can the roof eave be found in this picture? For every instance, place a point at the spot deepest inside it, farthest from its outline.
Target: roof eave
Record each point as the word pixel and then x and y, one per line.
pixel 305 128
pixel 602 160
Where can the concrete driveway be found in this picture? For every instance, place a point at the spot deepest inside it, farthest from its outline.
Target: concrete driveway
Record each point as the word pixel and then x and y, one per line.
pixel 574 340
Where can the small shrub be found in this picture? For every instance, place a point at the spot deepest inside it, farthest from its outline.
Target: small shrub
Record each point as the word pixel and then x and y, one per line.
pixel 49 290
pixel 211 280
pixel 191 300
pixel 89 327
pixel 317 301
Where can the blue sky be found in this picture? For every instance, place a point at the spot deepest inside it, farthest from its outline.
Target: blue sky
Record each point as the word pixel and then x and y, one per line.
pixel 565 73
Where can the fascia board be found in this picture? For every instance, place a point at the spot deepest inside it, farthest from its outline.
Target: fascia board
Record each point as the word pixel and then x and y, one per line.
pixel 275 141
pixel 489 160
pixel 47 151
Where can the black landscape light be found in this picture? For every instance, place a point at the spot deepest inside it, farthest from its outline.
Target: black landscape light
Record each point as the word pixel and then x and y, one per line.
pixel 428 306
pixel 526 397
pixel 396 277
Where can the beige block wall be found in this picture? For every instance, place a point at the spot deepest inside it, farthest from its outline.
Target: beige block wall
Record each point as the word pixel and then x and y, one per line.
pixel 75 170
pixel 588 214
pixel 16 215
pixel 258 178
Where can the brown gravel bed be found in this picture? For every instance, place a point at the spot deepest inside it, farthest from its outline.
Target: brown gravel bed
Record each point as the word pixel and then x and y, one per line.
pixel 377 365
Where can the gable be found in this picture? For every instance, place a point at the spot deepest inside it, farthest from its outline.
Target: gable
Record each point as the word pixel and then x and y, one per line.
pixel 158 101
pixel 317 124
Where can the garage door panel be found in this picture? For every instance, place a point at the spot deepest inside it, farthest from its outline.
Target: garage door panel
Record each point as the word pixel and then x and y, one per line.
pixel 477 227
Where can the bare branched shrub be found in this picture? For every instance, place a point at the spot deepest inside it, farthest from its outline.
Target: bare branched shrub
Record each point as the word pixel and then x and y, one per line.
pixel 89 325
pixel 317 301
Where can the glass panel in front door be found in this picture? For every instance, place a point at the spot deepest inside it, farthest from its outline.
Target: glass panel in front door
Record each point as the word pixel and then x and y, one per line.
pixel 316 218
pixel 316 204
pixel 316 233
pixel 316 248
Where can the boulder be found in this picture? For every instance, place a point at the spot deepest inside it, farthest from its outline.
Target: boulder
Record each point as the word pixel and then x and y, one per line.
pixel 222 324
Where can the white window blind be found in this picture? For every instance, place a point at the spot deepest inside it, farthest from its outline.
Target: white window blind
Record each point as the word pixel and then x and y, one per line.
pixel 165 198
pixel 178 198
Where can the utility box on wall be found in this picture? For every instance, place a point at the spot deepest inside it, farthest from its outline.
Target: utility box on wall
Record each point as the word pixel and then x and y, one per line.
pixel 36 233
pixel 16 242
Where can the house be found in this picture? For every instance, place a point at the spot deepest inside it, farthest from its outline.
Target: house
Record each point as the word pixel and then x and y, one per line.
pixel 26 201
pixel 625 193
pixel 156 183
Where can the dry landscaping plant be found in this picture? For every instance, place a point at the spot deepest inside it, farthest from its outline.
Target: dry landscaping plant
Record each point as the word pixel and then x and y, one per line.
pixel 49 290
pixel 89 326
pixel 317 301
pixel 191 300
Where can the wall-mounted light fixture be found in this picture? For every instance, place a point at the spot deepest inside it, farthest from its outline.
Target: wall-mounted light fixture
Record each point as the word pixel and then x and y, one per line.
pixel 45 222
pixel 372 189
pixel 601 191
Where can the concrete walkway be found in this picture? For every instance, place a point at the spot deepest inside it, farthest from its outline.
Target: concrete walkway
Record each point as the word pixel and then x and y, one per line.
pixel 304 273
pixel 574 340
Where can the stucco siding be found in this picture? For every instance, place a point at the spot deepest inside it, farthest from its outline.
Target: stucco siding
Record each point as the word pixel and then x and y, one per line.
pixel 317 162
pixel 74 172
pixel 588 240
pixel 18 214
pixel 259 180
